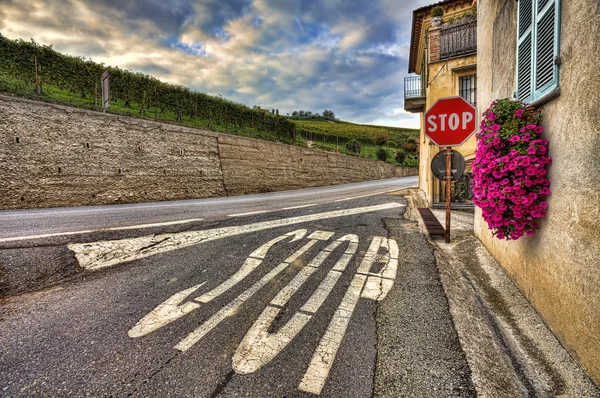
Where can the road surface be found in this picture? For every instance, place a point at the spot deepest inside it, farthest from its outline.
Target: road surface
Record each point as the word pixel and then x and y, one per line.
pixel 324 291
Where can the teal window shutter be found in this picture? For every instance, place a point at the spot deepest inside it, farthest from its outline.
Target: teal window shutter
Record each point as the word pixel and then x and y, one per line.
pixel 547 29
pixel 525 50
pixel 537 48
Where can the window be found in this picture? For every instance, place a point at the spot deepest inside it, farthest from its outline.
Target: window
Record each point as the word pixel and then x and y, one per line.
pixel 467 88
pixel 537 48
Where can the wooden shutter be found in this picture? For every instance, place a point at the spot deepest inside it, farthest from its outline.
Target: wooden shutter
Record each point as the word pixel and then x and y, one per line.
pixel 525 50
pixel 547 29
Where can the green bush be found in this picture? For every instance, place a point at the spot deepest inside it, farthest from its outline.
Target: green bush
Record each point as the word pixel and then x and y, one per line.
pixel 381 154
pixel 391 144
pixel 400 156
pixel 353 146
pixel 437 11
pixel 380 139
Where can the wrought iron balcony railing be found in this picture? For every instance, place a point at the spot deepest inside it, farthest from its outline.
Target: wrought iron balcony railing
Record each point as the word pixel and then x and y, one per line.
pixel 458 38
pixel 413 87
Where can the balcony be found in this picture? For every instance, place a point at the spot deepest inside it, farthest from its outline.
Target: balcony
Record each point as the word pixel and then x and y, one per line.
pixel 414 94
pixel 458 38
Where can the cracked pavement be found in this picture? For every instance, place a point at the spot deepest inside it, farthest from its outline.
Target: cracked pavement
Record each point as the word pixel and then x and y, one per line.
pixel 397 338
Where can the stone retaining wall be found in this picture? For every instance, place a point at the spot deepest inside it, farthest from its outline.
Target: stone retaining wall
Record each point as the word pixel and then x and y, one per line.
pixel 59 156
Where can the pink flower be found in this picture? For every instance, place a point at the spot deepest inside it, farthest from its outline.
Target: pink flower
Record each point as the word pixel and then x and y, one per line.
pixel 519 112
pixel 514 138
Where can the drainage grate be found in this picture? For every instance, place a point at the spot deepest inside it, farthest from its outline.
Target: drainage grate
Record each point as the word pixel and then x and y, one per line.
pixel 431 222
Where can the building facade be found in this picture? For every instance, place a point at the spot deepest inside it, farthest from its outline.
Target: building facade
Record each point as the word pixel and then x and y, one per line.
pixel 444 59
pixel 546 53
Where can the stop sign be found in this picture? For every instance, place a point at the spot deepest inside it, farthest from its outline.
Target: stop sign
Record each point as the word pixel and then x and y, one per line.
pixel 450 121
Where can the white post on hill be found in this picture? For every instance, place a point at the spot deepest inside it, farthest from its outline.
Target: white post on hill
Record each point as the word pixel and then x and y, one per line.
pixel 105 84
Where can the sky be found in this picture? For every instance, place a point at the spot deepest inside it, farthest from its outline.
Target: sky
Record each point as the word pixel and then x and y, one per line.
pixel 350 56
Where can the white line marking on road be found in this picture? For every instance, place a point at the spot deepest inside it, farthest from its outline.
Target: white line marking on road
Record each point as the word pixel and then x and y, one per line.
pixel 97 255
pixel 171 310
pixel 324 355
pixel 166 312
pixel 322 360
pixel 231 308
pixel 259 346
pixel 301 206
pixel 140 226
pixel 250 213
pixel 249 265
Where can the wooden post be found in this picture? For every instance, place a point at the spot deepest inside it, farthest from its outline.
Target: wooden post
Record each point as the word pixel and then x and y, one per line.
pixel 448 191
pixel 37 80
pixel 196 112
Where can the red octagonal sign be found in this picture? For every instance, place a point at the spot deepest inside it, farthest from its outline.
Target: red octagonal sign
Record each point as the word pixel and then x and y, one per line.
pixel 450 121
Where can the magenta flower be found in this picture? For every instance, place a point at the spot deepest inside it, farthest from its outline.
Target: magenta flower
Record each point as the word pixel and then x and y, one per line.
pixel 510 188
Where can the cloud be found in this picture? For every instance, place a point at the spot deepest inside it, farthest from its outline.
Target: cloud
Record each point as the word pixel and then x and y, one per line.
pixel 350 56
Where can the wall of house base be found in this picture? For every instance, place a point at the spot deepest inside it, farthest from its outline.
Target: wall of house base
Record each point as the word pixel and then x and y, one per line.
pixel 558 269
pixel 55 156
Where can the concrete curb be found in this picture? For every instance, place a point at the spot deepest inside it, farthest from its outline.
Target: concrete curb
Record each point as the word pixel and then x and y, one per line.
pixel 510 350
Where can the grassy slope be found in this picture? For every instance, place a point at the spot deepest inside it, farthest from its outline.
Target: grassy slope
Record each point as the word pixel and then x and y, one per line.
pixel 326 135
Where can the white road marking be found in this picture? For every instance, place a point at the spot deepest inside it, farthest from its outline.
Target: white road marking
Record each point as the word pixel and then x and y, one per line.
pixel 165 313
pixel 231 308
pixel 250 213
pixel 301 206
pixel 322 360
pixel 369 194
pixel 140 226
pixel 324 355
pixel 373 280
pixel 259 346
pixel 171 310
pixel 251 263
pixel 97 255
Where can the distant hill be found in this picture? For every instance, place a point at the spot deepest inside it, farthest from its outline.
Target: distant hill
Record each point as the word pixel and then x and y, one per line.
pixel 345 131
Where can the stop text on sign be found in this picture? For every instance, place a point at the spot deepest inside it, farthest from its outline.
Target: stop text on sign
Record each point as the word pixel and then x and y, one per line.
pixel 450 121
pixel 454 121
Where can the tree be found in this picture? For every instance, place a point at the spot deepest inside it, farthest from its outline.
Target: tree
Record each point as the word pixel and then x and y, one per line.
pixel 301 113
pixel 277 112
pixel 400 156
pixel 328 114
pixel 380 139
pixel 295 113
pixel 381 154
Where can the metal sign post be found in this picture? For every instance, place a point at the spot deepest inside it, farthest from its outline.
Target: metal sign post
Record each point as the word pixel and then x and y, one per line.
pixel 449 122
pixel 448 192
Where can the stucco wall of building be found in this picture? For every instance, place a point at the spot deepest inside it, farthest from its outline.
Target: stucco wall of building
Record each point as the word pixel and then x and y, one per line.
pixel 59 156
pixel 558 269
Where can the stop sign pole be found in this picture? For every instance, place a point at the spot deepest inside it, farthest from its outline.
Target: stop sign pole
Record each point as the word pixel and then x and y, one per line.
pixel 449 122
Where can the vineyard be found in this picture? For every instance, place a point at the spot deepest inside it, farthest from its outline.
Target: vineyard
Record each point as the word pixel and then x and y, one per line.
pixel 347 131
pixel 32 70
pixel 329 135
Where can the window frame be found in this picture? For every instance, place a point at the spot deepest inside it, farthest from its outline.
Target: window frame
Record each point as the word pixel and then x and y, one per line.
pixel 550 89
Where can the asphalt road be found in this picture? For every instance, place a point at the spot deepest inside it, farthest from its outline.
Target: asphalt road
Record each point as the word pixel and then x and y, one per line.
pixel 23 223
pixel 338 298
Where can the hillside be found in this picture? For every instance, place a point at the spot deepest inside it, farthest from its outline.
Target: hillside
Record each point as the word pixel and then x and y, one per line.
pixel 31 70
pixel 346 131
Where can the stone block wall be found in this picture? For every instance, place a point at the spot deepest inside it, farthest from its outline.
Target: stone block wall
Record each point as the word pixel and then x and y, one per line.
pixel 54 156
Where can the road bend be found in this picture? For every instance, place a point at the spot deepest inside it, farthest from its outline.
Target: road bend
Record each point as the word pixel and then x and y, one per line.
pixel 319 292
